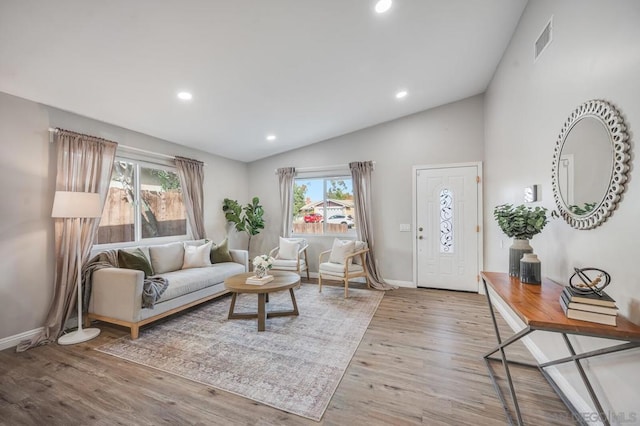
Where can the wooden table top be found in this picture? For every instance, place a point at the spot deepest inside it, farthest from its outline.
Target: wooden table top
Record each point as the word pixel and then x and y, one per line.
pixel 539 307
pixel 282 280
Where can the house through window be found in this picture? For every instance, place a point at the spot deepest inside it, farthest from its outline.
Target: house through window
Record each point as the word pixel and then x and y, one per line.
pixel 323 205
pixel 144 201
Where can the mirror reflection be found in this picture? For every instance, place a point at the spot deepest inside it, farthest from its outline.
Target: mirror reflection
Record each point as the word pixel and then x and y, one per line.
pixel 585 165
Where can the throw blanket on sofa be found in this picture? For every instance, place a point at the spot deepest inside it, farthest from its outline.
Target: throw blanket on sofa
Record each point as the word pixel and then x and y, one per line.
pixel 151 291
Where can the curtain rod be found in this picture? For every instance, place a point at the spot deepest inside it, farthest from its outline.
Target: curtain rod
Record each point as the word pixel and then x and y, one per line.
pixel 53 131
pixel 322 168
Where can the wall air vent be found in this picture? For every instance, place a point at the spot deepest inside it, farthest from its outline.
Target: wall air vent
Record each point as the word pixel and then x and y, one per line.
pixel 544 39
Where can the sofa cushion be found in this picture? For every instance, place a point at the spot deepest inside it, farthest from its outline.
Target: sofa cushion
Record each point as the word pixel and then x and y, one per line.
pixel 338 270
pixel 220 253
pixel 166 257
pixel 134 259
pixel 196 256
pixel 189 280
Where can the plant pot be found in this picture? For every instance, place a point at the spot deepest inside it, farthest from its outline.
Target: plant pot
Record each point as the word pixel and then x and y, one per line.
pixel 530 271
pixel 516 251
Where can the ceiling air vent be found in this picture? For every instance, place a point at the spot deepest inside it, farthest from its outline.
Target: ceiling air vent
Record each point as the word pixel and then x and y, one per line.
pixel 544 39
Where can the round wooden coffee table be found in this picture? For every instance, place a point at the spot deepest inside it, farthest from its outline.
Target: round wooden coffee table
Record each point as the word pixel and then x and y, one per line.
pixel 282 280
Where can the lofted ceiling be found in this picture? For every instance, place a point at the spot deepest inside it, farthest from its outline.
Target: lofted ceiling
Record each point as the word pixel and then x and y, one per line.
pixel 302 70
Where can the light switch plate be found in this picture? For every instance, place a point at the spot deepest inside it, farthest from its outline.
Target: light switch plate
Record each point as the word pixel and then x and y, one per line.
pixel 405 227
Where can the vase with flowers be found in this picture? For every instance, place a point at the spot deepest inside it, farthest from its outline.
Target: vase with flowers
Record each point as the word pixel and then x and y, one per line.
pixel 520 223
pixel 262 264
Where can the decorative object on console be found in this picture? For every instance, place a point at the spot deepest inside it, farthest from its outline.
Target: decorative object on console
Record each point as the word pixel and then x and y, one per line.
pixel 520 223
pixel 530 270
pixel 590 164
pixel 77 205
pixel 584 298
pixel 587 285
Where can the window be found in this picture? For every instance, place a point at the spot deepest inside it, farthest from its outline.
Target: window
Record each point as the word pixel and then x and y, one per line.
pixel 144 201
pixel 323 206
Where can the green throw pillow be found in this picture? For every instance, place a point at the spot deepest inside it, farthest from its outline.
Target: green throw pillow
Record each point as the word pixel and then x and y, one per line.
pixel 220 253
pixel 135 259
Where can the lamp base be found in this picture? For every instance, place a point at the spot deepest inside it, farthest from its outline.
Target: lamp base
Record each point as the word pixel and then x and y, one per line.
pixel 78 336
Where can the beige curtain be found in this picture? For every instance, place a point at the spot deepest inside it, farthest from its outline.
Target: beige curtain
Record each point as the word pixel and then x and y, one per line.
pixel 191 180
pixel 84 165
pixel 286 177
pixel 361 175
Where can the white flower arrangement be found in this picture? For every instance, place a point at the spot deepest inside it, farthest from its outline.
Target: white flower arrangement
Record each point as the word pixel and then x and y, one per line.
pixel 263 261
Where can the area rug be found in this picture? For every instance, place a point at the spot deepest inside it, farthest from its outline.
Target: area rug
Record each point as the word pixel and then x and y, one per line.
pixel 295 365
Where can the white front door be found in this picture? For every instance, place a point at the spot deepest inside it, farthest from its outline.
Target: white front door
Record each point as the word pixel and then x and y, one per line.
pixel 447 227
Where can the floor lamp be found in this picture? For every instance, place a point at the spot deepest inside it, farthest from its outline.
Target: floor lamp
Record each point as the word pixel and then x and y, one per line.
pixel 77 205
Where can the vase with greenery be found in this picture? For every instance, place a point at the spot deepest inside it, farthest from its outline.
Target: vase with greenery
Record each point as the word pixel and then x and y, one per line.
pixel 248 218
pixel 520 223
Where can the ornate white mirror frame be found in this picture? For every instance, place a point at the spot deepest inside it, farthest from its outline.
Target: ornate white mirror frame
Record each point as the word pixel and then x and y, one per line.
pixel 613 123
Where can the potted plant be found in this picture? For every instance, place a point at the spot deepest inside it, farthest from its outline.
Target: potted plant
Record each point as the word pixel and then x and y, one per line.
pixel 520 223
pixel 247 219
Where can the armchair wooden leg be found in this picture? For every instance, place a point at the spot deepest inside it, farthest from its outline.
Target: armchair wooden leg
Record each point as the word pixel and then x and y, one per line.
pixel 319 283
pixel 346 288
pixel 134 332
pixel 308 277
pixel 367 278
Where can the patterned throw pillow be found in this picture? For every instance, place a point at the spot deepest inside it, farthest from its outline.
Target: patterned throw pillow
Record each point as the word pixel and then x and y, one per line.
pixel 135 259
pixel 220 253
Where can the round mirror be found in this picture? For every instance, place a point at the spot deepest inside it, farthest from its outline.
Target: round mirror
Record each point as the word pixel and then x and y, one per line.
pixel 590 164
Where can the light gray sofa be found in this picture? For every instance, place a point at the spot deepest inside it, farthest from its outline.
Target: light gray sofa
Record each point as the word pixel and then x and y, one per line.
pixel 116 295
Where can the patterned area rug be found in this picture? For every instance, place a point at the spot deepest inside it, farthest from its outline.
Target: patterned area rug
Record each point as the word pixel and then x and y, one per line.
pixel 295 365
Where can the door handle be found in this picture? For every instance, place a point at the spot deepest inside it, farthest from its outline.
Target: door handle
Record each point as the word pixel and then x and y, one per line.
pixel 420 229
pixel 420 237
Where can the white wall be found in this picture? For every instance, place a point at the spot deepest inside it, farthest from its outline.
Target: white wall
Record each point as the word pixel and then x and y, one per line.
pixel 448 134
pixel 595 53
pixel 28 171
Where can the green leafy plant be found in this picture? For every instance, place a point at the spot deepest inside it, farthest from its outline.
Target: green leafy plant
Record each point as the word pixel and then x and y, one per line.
pixel 520 222
pixel 247 219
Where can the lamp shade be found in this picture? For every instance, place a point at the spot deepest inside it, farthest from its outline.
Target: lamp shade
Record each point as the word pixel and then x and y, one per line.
pixel 76 204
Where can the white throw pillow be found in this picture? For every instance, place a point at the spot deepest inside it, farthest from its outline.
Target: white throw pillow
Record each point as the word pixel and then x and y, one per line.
pixel 360 245
pixel 196 256
pixel 166 257
pixel 340 250
pixel 288 249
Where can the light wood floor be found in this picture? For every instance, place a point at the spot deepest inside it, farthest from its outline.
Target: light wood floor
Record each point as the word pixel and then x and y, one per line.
pixel 420 362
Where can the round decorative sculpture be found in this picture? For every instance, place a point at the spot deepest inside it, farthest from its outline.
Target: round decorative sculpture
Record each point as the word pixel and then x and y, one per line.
pixel 590 164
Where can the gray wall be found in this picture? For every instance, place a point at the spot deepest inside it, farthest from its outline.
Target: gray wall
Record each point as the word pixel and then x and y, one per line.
pixel 448 134
pixel 28 170
pixel 595 53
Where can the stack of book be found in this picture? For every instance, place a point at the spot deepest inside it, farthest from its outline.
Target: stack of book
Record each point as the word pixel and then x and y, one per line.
pixel 589 307
pixel 259 281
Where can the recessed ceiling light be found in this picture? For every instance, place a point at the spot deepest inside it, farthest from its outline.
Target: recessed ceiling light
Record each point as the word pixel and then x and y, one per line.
pixel 271 138
pixel 401 94
pixel 185 96
pixel 383 5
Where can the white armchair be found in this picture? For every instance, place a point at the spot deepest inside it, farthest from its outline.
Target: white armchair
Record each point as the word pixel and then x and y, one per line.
pixel 345 261
pixel 291 255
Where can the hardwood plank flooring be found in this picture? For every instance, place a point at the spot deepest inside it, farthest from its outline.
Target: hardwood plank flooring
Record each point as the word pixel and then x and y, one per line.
pixel 419 363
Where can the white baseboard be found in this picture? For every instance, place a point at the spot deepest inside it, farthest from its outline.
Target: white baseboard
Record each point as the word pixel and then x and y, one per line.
pixel 399 283
pixel 13 341
pixel 563 384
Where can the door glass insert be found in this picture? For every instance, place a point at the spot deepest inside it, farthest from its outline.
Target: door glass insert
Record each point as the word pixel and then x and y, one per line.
pixel 446 221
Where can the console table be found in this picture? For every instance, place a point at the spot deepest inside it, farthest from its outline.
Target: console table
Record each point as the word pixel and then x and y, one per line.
pixel 538 307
